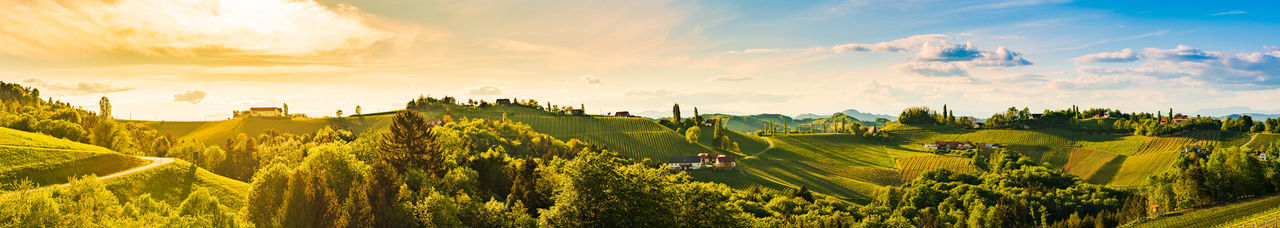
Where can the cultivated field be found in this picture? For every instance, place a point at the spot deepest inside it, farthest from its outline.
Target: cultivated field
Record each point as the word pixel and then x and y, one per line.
pixel 1086 162
pixel 912 167
pixel 1263 140
pixel 1239 213
pixel 1177 142
pixel 1135 169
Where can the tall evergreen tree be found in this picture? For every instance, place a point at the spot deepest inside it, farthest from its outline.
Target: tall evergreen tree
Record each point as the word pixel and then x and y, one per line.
pixel 409 142
pixel 675 114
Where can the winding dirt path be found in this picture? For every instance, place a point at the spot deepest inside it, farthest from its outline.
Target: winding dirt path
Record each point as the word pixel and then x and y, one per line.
pixel 765 149
pixel 155 162
pixel 1251 138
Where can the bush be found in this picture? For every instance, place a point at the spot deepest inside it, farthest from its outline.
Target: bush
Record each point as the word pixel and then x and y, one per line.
pixel 917 115
pixel 62 129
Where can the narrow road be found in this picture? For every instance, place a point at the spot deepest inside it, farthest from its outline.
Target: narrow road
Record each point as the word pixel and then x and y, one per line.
pixel 1251 138
pixel 155 162
pixel 765 149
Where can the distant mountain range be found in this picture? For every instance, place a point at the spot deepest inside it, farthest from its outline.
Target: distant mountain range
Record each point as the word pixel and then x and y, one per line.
pixel 851 113
pixel 1237 111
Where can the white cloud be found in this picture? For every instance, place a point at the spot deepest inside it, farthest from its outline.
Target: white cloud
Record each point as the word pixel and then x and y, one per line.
pixel 76 89
pixel 1179 54
pixel 731 78
pixel 1123 56
pixel 936 69
pixel 592 80
pixel 1233 12
pixel 1195 67
pixel 61 29
pixel 936 55
pixel 485 91
pixel 900 45
pixel 190 96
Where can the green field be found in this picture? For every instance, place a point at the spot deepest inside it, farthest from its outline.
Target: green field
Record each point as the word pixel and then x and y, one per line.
pixel 1227 214
pixel 1177 142
pixel 171 183
pixel 853 168
pixel 845 166
pixel 1263 140
pixel 912 167
pixel 47 160
pixel 1094 165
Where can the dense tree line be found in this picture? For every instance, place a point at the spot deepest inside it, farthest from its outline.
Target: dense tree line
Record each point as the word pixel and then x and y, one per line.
pixel 87 202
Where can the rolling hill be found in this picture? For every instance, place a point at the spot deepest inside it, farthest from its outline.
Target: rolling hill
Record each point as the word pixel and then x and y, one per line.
pixel 631 137
pixel 852 168
pixel 46 160
pixel 851 113
pixel 845 166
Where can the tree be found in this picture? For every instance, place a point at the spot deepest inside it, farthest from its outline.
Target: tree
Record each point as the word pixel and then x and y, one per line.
pixel 803 193
pixel 104 134
pixel 410 142
pixel 357 110
pixel 338 113
pixel 675 114
pixel 104 108
pixel 286 109
pixel 693 134
pixel 916 115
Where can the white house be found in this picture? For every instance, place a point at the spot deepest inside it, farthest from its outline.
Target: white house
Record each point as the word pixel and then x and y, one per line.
pixel 684 163
pixel 266 111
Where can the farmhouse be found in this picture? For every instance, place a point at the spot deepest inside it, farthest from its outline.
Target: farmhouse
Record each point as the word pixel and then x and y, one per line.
pixel 1175 119
pixel 949 145
pixel 717 160
pixel 710 122
pixel 503 101
pixel 1262 156
pixel 576 112
pixel 266 112
pixel 622 114
pixel 729 162
pixel 1196 149
pixel 708 158
pixel 684 163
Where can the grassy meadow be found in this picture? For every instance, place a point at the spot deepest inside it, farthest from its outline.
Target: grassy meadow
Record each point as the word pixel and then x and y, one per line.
pixel 45 160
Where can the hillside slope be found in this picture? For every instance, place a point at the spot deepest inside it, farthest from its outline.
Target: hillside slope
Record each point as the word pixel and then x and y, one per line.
pixel 46 160
pixel 1220 215
pixel 845 166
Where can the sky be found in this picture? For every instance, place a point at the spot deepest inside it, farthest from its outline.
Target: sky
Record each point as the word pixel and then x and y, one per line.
pixel 202 59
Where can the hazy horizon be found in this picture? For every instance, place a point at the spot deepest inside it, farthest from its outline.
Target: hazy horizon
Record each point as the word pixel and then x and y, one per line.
pixel 199 60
